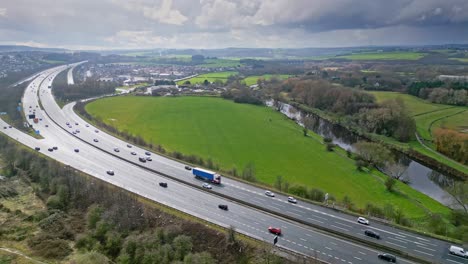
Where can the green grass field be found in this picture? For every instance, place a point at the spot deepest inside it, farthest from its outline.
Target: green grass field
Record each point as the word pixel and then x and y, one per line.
pixel 251 80
pixel 233 135
pixel 384 56
pixel 217 63
pixel 425 112
pixel 211 77
pixel 460 59
pixel 429 116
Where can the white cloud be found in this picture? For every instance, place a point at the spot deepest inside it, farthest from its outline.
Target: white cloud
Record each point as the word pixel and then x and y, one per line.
pixel 162 12
pixel 3 12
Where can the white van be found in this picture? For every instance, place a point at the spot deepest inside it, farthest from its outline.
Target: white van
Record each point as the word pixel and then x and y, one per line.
pixel 458 251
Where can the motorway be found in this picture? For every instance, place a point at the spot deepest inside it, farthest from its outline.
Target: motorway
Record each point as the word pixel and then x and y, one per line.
pixel 297 237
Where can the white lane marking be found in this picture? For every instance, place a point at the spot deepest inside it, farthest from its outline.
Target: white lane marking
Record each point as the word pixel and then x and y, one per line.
pixel 426 248
pixel 323 218
pixel 357 258
pixel 293 213
pixel 342 224
pixel 454 261
pixel 333 243
pixel 328 248
pixel 303 239
pixel 339 227
pixel 399 240
pixel 423 252
pixel 315 220
pixel 395 244
pixel 362 253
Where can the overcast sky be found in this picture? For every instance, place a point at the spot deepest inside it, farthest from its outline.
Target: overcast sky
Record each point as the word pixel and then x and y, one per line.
pixel 123 24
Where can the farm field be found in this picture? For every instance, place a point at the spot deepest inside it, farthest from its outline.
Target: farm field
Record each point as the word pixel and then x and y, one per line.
pixel 429 116
pixel 251 80
pixel 211 77
pixel 216 63
pixel 383 56
pixel 225 132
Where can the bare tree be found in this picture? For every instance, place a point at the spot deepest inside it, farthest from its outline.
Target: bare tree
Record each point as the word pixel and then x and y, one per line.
pixel 395 170
pixel 459 192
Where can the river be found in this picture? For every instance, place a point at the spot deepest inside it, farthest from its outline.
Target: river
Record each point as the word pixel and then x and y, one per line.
pixel 418 176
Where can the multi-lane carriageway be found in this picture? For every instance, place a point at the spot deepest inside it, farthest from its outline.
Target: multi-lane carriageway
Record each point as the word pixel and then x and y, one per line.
pixel 95 158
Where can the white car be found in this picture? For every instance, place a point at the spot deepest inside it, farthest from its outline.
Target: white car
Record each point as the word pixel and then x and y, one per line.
pixel 292 199
pixel 206 186
pixel 458 251
pixel 363 221
pixel 268 193
pixel 110 172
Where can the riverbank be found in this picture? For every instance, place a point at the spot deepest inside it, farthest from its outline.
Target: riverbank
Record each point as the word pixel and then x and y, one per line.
pixel 416 152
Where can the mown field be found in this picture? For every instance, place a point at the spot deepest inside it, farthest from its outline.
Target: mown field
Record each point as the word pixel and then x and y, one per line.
pixel 251 80
pixel 429 116
pixel 216 63
pixel 384 56
pixel 233 135
pixel 211 77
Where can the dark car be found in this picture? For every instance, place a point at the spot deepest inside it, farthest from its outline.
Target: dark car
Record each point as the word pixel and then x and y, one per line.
pixel 110 172
pixel 5 127
pixel 371 233
pixel 163 184
pixel 223 207
pixel 188 168
pixel 274 230
pixel 50 149
pixel 142 159
pixel 95 140
pixel 387 257
pixel 147 153
pixel 55 148
pixel 77 150
pixel 37 148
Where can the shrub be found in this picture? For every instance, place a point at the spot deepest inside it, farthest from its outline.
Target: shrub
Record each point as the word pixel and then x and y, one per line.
pixel 53 202
pixel 317 195
pixel 49 247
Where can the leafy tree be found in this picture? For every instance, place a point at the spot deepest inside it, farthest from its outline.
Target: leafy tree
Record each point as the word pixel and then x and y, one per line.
pixel 199 258
pixel 390 183
pixel 90 257
pixel 94 216
pixel 182 245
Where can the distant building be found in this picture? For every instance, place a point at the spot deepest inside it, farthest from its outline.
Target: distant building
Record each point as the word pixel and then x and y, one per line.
pixel 462 78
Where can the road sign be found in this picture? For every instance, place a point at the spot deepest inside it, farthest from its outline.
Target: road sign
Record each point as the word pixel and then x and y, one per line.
pixel 37 132
pixel 275 240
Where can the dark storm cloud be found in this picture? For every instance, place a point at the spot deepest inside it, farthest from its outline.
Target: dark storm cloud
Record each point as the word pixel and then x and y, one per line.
pixel 221 23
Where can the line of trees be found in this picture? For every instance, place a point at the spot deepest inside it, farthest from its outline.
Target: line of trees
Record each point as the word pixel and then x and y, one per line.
pixel 89 88
pixel 326 96
pixel 452 93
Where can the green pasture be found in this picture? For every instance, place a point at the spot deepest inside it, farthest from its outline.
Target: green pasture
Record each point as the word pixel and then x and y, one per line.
pixel 233 135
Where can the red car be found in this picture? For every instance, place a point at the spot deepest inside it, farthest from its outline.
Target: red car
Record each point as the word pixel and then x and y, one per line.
pixel 274 230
